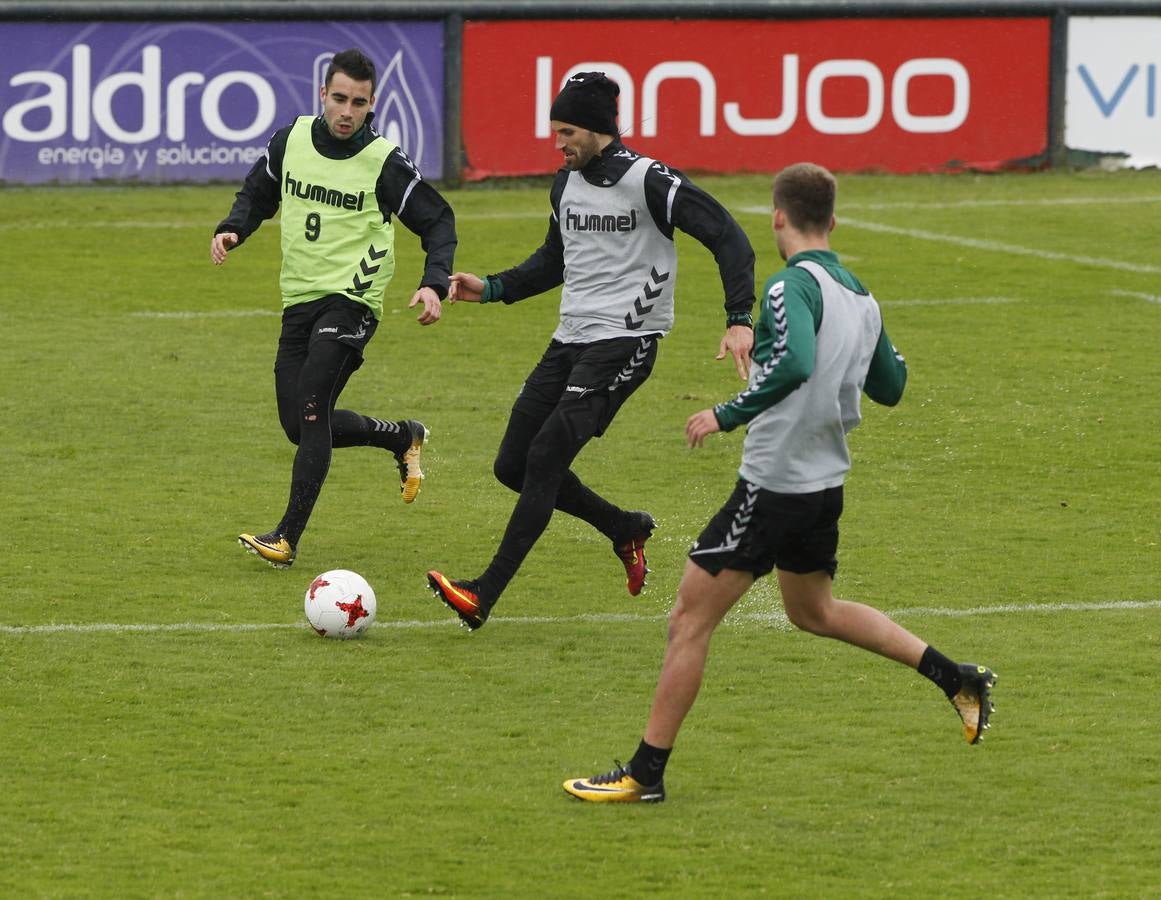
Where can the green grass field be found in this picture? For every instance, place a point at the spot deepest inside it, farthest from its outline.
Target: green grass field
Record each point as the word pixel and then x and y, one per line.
pixel 169 727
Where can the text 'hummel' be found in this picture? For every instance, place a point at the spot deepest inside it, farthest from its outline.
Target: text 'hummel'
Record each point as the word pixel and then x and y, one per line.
pixel 320 193
pixel 596 222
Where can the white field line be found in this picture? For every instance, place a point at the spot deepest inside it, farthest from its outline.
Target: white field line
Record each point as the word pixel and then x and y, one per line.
pixel 1149 298
pixel 1002 247
pixel 971 204
pixel 200 224
pixel 95 223
pixel 979 244
pixel 768 618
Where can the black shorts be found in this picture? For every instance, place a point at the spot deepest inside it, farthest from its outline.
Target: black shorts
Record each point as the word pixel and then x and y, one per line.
pixel 758 530
pixel 331 318
pixel 571 373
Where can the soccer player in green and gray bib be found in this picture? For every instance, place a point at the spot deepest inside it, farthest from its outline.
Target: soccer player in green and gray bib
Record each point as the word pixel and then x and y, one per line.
pixel 819 345
pixel 339 184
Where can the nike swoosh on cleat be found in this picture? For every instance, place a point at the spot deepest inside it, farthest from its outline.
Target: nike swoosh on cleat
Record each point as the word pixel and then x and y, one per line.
pixel 459 595
pixel 581 786
pixel 464 598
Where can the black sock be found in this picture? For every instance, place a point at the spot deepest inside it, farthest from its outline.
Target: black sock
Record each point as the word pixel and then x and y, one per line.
pixel 393 436
pixel 648 763
pixel 941 670
pixel 483 594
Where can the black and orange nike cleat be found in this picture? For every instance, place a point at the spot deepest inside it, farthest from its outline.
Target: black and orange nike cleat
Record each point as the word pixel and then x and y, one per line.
pixel 632 552
pixel 463 597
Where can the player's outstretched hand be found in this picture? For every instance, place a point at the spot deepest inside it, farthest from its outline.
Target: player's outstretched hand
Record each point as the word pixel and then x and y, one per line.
pixel 220 244
pixel 432 307
pixel 465 286
pixel 739 342
pixel 699 425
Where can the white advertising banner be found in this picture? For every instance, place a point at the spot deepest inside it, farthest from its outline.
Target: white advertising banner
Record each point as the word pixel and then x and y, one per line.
pixel 1112 105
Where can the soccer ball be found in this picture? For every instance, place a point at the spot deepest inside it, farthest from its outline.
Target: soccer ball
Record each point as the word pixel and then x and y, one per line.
pixel 340 604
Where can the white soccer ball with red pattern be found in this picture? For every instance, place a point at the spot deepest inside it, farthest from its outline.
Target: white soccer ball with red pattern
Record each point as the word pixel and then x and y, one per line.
pixel 340 604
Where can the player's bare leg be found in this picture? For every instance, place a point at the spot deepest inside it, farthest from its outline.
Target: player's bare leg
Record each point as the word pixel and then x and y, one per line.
pixel 811 606
pixel 702 601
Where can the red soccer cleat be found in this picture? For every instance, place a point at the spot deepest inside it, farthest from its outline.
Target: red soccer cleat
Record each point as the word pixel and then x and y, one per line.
pixel 632 552
pixel 462 596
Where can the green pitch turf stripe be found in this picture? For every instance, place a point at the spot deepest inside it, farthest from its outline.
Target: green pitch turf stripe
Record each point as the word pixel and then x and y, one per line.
pixel 951 301
pixel 205 314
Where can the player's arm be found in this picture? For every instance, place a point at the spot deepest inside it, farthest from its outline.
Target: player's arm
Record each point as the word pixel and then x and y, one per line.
pixel 255 202
pixel 402 191
pixel 785 350
pixel 542 271
pixel 675 202
pixel 887 375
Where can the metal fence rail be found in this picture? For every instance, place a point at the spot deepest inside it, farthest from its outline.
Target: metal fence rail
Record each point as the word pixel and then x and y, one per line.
pixel 552 9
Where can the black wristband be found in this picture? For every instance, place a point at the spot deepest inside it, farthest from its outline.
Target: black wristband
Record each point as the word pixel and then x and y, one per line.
pixel 739 318
pixel 493 289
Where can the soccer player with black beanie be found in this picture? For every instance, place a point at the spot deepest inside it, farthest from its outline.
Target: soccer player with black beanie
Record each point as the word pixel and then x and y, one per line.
pixel 610 242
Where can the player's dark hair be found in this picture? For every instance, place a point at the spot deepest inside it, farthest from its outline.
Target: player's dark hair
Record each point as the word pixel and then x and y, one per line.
pixel 805 192
pixel 353 63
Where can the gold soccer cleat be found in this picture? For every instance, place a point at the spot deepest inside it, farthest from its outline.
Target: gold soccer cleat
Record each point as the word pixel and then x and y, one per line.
pixel 410 474
pixel 973 701
pixel 272 547
pixel 617 786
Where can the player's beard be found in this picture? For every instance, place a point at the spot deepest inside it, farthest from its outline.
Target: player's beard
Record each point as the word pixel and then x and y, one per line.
pixel 583 153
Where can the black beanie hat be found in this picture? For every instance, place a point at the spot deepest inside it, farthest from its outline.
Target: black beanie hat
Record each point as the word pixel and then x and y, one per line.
pixel 588 100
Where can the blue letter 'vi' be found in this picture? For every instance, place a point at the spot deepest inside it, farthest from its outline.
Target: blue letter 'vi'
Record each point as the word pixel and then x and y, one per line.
pixel 1107 106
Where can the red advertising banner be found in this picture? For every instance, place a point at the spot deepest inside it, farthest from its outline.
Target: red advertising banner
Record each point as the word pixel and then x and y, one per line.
pixel 897 95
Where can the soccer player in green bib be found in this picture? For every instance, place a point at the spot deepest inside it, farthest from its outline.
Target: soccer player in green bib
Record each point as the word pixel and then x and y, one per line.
pixel 820 343
pixel 339 184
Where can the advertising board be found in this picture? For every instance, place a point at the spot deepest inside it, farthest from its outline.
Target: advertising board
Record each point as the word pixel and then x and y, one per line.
pixel 899 95
pixel 1111 94
pixel 189 101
